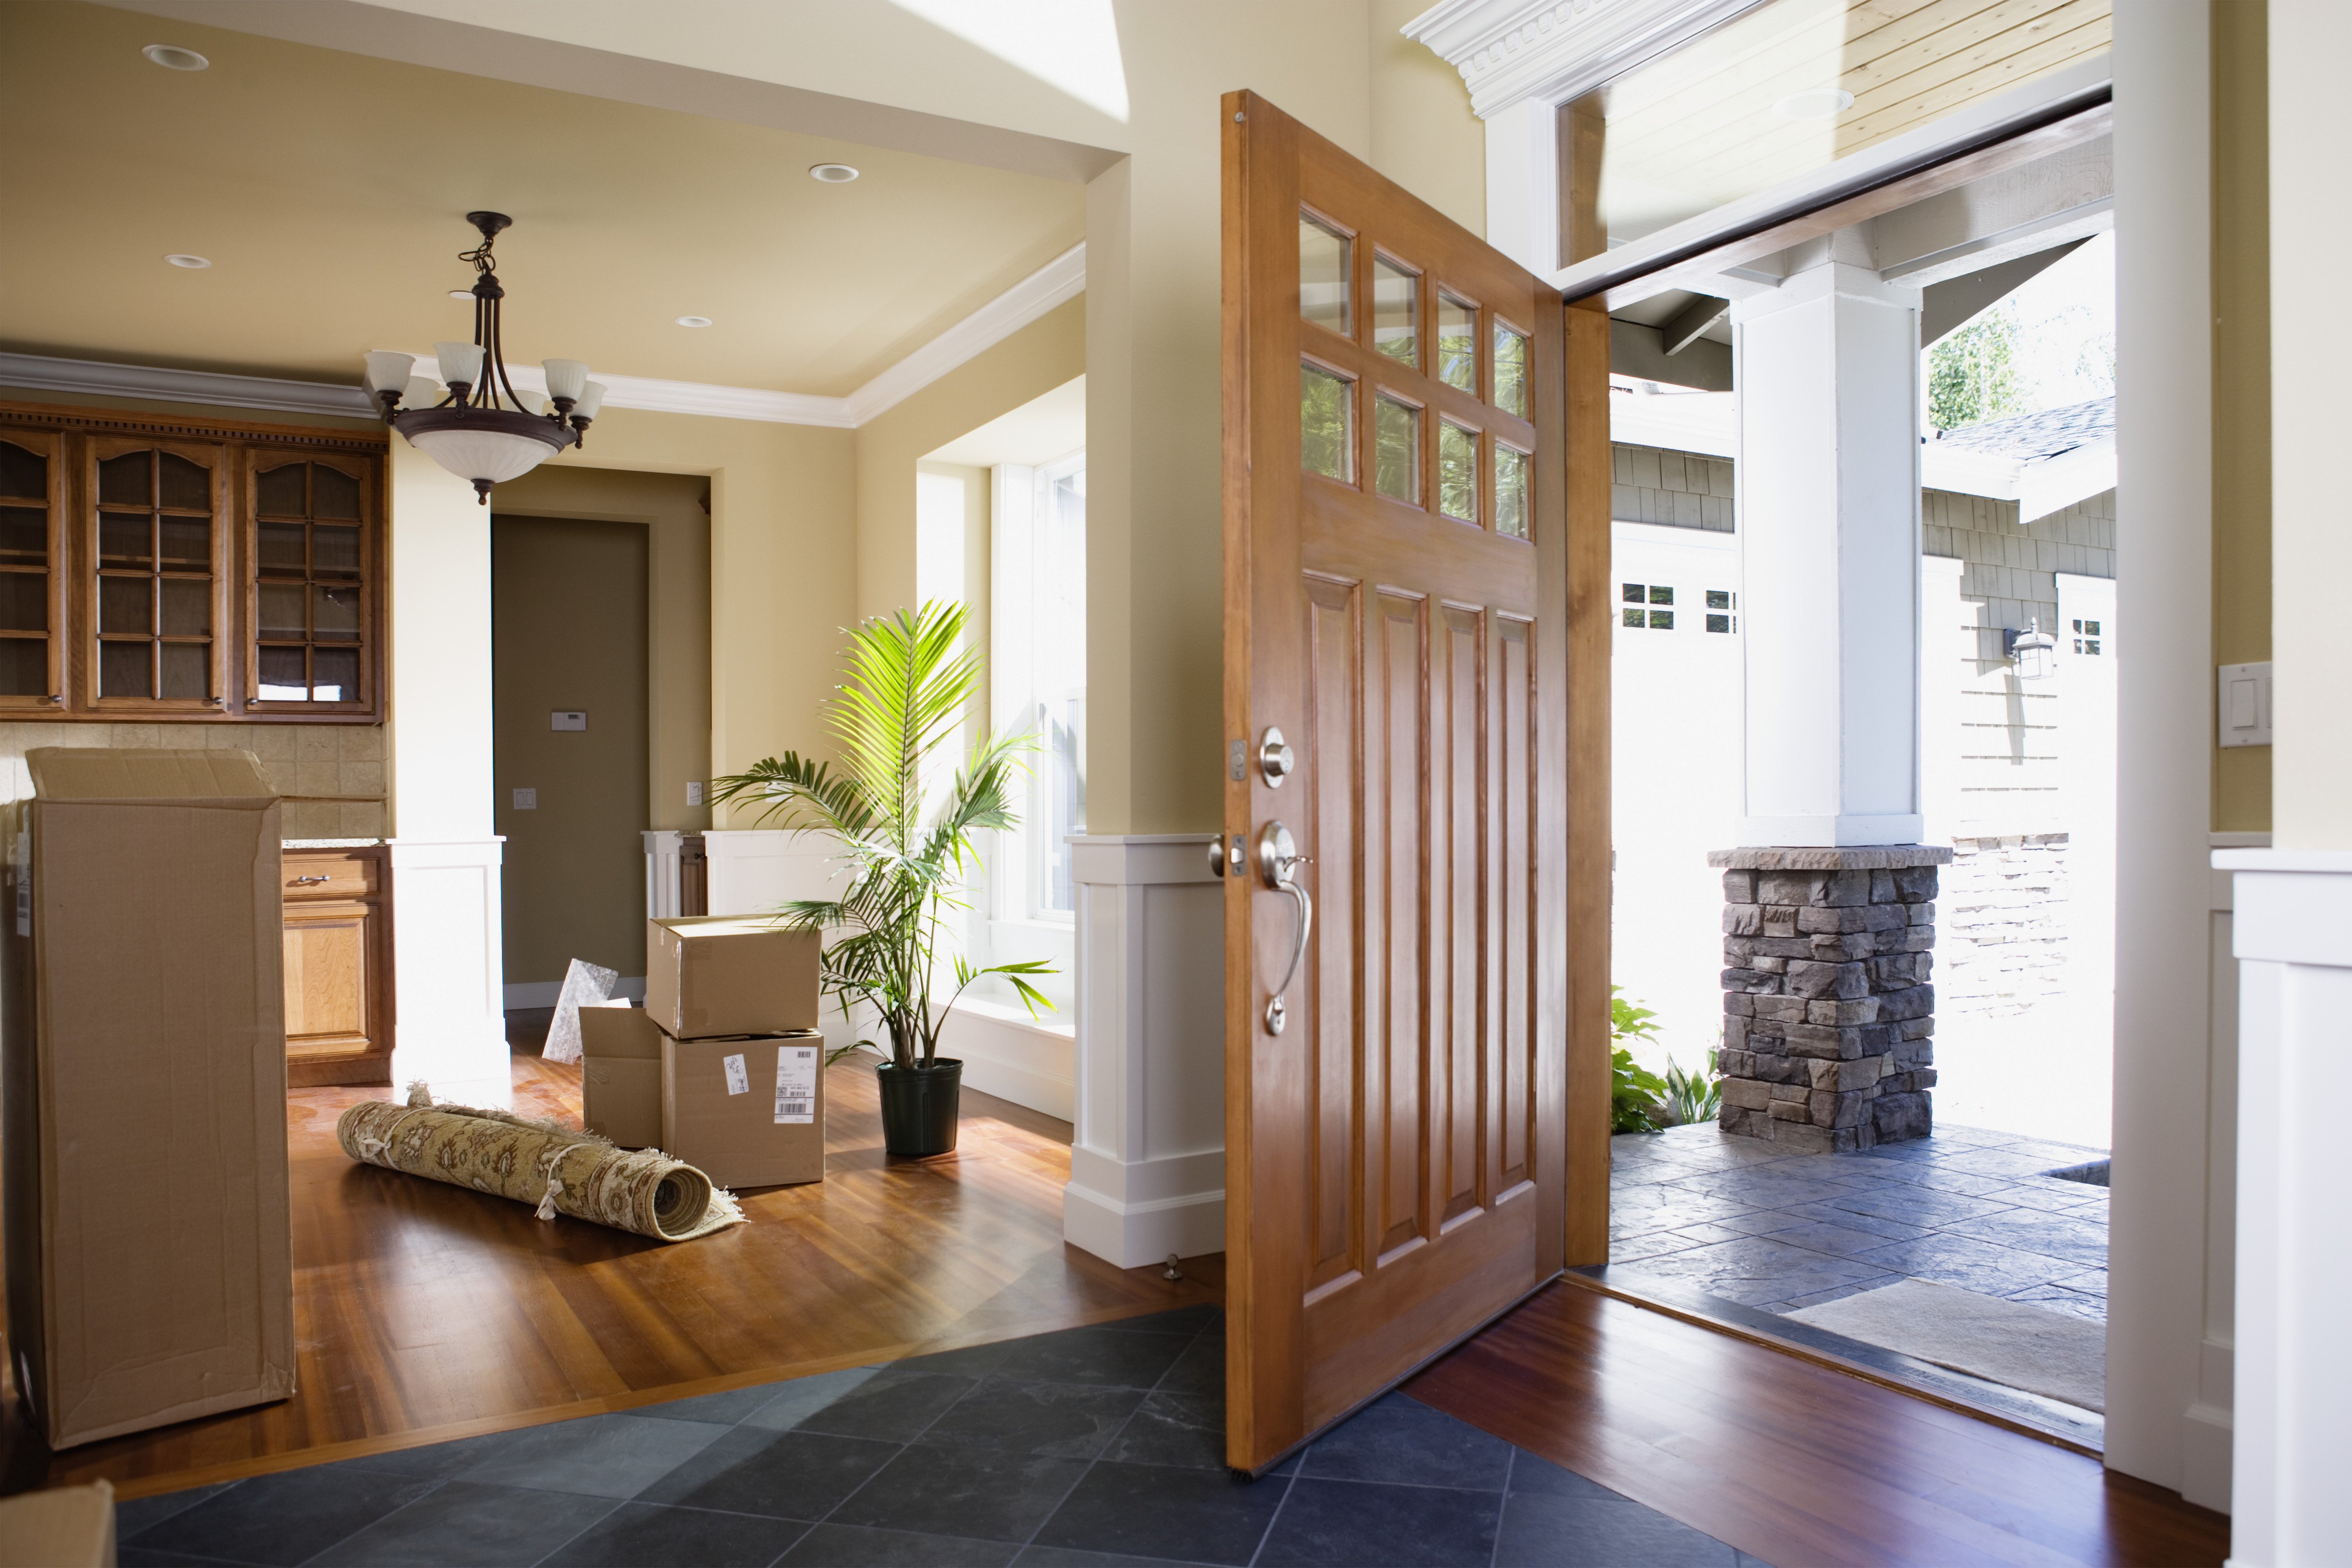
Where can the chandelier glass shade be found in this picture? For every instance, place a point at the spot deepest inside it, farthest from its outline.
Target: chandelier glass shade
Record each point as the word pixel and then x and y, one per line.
pixel 480 429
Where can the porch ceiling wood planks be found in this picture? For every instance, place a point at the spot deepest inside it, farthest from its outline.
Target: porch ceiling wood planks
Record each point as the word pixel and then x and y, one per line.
pixel 1791 1461
pixel 425 1311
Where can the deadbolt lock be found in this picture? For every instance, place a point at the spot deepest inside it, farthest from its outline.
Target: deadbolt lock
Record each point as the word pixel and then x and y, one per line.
pixel 1275 760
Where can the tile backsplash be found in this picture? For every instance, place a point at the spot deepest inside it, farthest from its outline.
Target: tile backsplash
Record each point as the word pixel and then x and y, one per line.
pixel 331 774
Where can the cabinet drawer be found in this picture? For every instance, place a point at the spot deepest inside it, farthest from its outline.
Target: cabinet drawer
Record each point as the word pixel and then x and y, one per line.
pixel 330 876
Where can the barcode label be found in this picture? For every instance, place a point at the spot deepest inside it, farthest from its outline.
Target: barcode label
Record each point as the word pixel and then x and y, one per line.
pixel 796 1070
pixel 739 1079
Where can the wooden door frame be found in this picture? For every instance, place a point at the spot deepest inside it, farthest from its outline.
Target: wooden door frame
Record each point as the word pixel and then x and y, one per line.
pixel 1576 735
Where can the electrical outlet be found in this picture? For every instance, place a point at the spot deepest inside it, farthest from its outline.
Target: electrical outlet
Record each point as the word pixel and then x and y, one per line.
pixel 526 799
pixel 694 792
pixel 573 719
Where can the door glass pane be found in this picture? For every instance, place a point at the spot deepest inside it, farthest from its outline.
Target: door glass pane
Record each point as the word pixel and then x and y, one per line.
pixel 1396 312
pixel 1457 471
pixel 1457 342
pixel 281 612
pixel 1396 433
pixel 24 535
pixel 282 677
pixel 334 552
pixel 281 548
pixel 1510 492
pixel 187 541
pixel 127 479
pixel 126 604
pixel 333 493
pixel 23 475
pixel 1510 370
pixel 126 539
pixel 24 601
pixel 335 674
pixel 24 666
pixel 187 670
pixel 1327 424
pixel 186 486
pixel 188 608
pixel 125 670
pixel 1323 277
pixel 281 491
pixel 334 613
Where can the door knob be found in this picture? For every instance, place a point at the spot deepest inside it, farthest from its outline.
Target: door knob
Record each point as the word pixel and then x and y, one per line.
pixel 1277 859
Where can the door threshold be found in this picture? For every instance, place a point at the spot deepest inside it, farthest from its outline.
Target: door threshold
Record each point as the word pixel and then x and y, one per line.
pixel 2013 1410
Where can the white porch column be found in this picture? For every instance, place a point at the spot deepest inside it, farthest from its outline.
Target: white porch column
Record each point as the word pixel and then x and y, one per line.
pixel 1828 369
pixel 449 969
pixel 1148 1156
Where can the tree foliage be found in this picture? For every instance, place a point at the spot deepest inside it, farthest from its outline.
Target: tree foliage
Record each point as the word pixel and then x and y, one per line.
pixel 1972 374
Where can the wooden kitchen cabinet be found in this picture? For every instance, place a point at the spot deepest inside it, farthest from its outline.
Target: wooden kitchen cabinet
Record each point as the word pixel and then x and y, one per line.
pixel 338 994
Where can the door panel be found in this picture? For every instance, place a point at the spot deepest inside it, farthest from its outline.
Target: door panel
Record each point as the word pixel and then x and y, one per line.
pixel 1398 1149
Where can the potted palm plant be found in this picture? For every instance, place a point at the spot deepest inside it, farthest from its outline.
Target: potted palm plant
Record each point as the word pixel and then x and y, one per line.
pixel 907 687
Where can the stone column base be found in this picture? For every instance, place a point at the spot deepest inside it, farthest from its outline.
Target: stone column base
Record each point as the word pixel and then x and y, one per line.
pixel 1828 1015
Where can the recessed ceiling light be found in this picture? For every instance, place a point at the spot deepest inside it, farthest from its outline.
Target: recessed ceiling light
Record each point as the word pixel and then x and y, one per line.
pixel 1814 103
pixel 193 263
pixel 461 294
pixel 172 57
pixel 833 174
pixel 694 321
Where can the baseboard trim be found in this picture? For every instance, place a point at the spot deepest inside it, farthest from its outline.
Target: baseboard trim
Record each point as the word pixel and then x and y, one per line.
pixel 1129 1235
pixel 544 993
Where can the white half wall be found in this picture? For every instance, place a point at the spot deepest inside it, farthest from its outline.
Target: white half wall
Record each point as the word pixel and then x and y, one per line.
pixel 1148 1160
pixel 448 971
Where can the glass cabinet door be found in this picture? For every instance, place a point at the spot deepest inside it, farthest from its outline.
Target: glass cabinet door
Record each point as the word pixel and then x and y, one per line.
pixel 158 570
pixel 32 481
pixel 312 634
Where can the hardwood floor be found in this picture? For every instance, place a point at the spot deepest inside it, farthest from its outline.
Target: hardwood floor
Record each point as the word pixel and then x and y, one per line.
pixel 425 1311
pixel 1791 1463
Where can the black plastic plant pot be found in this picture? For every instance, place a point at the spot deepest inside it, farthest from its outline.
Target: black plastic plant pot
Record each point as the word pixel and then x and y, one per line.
pixel 919 1107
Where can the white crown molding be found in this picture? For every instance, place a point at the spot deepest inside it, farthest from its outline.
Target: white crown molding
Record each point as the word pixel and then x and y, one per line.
pixel 1509 52
pixel 1058 281
pixel 38 373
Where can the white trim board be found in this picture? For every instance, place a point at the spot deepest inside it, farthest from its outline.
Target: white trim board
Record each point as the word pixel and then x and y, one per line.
pixel 1057 283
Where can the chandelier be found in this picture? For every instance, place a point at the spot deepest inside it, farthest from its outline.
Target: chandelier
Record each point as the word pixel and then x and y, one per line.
pixel 480 430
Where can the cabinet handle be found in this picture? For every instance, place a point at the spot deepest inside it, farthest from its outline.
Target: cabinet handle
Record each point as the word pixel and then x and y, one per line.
pixel 300 881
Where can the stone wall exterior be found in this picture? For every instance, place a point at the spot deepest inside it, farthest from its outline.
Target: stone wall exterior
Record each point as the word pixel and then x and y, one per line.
pixel 2003 924
pixel 1829 1011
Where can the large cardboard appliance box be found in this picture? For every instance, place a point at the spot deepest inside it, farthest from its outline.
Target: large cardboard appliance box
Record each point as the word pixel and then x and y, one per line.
pixel 143 1041
pixel 747 1110
pixel 707 975
pixel 621 1075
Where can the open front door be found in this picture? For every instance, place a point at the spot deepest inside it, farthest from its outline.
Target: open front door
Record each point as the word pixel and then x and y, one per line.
pixel 1400 565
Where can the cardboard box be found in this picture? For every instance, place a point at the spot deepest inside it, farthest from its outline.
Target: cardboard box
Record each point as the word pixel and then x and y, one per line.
pixel 621 1075
pixel 749 1111
pixel 64 1527
pixel 707 975
pixel 142 1039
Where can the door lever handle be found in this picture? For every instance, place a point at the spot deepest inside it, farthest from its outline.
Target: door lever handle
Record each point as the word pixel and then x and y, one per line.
pixel 1277 858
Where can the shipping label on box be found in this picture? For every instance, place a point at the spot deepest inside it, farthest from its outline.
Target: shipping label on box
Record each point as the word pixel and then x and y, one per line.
pixel 798 1068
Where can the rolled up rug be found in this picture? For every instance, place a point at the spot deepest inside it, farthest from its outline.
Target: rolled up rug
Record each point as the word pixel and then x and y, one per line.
pixel 557 1170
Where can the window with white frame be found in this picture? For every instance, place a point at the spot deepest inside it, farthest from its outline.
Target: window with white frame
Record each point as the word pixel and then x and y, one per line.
pixel 1039 677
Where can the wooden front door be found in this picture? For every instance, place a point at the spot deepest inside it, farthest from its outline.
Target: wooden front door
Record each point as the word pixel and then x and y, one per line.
pixel 1400 572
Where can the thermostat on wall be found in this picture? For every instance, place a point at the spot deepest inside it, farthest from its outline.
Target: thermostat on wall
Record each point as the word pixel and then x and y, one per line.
pixel 2243 694
pixel 526 799
pixel 570 719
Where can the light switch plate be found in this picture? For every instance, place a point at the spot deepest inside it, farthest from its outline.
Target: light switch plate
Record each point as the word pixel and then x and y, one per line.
pixel 573 718
pixel 526 799
pixel 2241 695
pixel 694 792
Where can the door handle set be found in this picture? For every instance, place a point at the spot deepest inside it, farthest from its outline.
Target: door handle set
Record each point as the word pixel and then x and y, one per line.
pixel 1277 858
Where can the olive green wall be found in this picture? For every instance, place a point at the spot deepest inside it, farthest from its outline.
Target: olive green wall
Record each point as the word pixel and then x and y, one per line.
pixel 569 622
pixel 2242 388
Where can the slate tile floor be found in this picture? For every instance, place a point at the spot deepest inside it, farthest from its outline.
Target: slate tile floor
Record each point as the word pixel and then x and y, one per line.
pixel 1088 1449
pixel 1774 1231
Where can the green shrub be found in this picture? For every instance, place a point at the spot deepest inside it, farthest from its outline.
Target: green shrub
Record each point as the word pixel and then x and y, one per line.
pixel 1635 1092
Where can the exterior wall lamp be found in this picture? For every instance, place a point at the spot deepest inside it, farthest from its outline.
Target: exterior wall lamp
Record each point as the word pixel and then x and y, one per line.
pixel 480 430
pixel 2032 650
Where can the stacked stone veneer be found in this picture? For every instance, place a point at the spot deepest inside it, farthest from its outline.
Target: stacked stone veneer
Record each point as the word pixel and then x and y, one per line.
pixel 1829 1014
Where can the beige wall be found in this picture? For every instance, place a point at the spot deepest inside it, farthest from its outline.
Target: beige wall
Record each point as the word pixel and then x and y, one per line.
pixel 2241 389
pixel 1424 136
pixel 672 509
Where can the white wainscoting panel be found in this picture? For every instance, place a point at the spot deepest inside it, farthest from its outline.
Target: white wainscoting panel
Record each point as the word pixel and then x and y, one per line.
pixel 2292 1411
pixel 1007 1053
pixel 1147 1162
pixel 449 971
